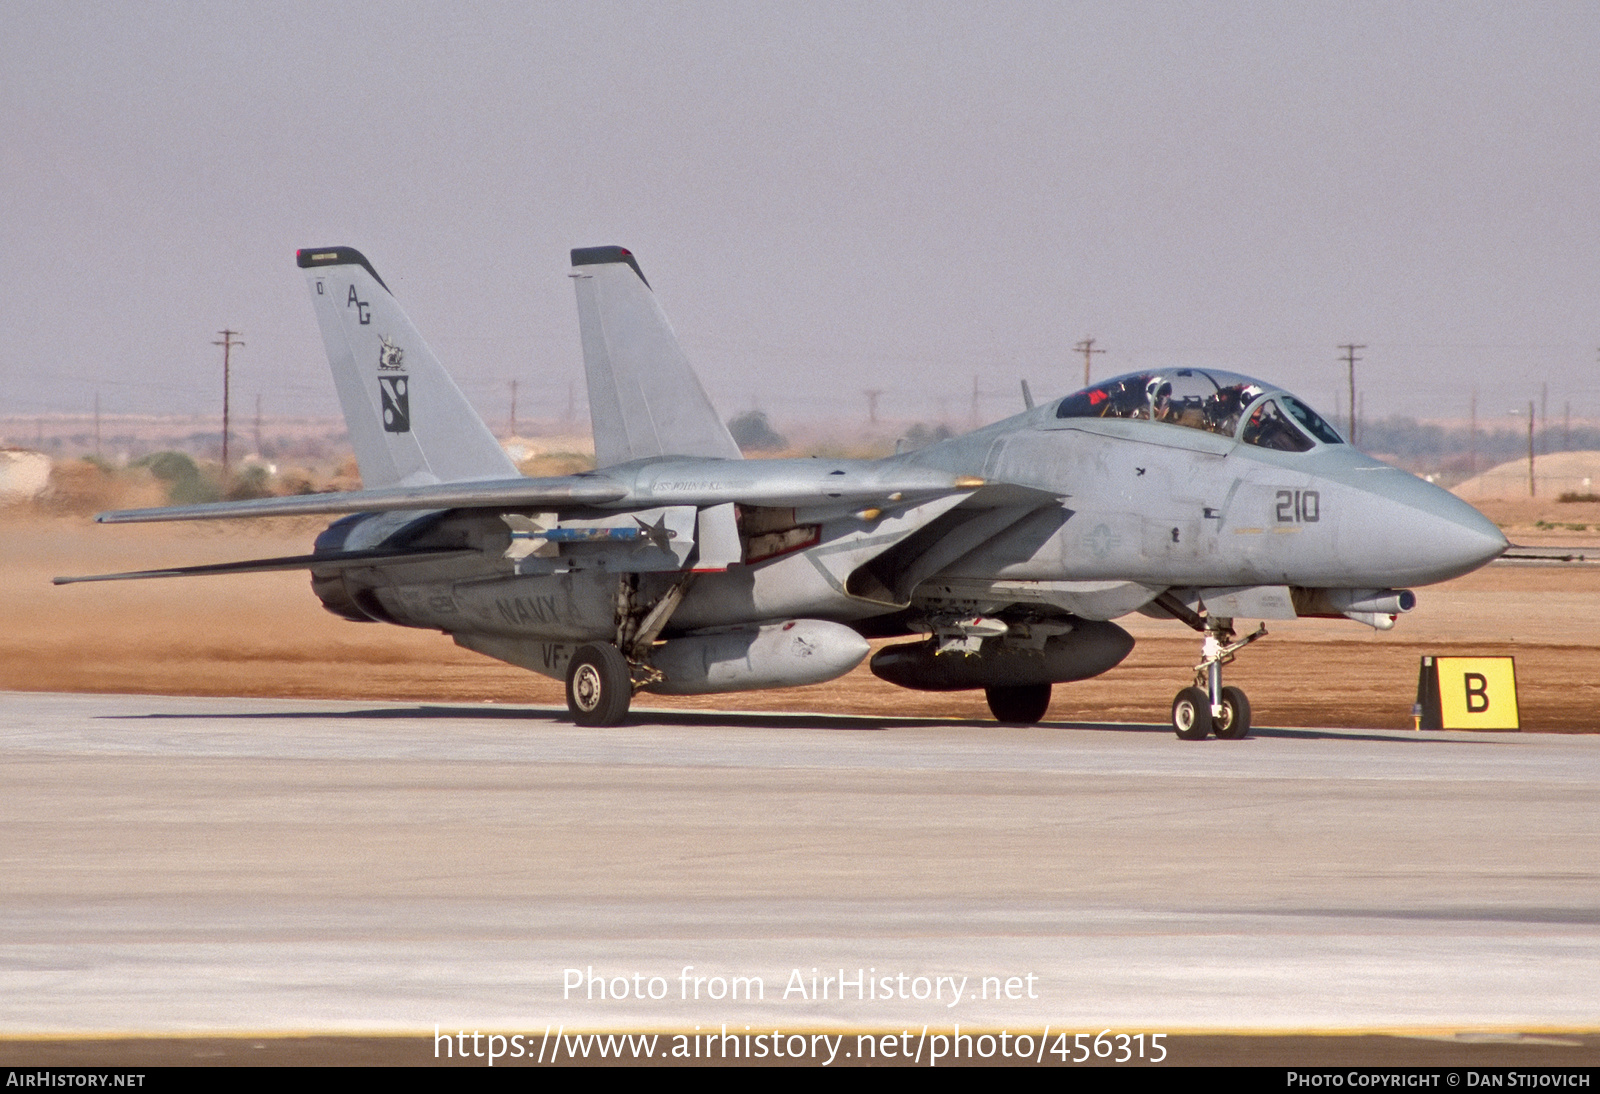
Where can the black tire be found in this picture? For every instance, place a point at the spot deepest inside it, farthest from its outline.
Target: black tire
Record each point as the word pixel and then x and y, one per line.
pixel 1191 715
pixel 1022 705
pixel 599 686
pixel 1235 720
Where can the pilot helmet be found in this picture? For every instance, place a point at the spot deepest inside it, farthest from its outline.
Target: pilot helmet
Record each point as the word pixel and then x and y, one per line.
pixel 1159 392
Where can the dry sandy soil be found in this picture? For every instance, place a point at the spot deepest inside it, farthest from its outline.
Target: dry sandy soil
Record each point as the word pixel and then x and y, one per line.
pixel 266 635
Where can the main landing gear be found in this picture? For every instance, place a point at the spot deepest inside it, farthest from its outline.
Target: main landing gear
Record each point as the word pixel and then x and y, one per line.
pixel 599 686
pixel 1208 707
pixel 601 678
pixel 1023 704
pixel 601 682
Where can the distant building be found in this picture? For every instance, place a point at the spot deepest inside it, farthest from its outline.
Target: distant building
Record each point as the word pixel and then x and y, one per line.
pixel 24 474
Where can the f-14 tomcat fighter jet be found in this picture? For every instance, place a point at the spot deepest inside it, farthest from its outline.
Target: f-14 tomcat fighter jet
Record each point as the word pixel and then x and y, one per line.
pixel 678 567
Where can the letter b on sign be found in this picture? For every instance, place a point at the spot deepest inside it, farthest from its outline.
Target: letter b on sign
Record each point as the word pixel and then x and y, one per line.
pixel 1477 685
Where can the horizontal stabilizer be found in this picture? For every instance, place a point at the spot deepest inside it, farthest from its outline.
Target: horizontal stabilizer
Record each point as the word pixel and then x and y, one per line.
pixel 268 565
pixel 773 483
pixel 644 397
pixel 512 493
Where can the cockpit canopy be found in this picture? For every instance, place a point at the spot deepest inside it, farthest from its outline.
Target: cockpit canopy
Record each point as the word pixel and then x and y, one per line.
pixel 1216 402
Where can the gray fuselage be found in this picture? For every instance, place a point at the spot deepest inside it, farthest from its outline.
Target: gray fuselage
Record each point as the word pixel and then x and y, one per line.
pixel 1087 517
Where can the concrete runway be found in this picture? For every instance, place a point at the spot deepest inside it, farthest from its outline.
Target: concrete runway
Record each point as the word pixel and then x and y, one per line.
pixel 219 865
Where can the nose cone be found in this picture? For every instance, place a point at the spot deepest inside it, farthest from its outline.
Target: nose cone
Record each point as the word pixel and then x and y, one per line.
pixel 1461 540
pixel 1443 536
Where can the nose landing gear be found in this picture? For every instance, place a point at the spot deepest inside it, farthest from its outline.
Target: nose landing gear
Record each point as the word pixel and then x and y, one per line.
pixel 1208 707
pixel 1191 715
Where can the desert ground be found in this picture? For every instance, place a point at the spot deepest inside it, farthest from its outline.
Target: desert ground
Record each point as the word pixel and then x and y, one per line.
pixel 266 635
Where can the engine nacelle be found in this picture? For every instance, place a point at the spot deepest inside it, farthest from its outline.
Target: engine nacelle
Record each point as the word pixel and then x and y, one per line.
pixel 1090 648
pixel 777 655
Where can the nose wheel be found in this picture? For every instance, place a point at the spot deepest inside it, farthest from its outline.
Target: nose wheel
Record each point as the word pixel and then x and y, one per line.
pixel 1208 707
pixel 1191 715
pixel 1232 718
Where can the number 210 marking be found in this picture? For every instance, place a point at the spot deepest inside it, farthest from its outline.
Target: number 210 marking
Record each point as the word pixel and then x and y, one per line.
pixel 1299 507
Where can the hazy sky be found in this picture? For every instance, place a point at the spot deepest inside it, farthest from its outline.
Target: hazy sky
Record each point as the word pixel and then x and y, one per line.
pixel 826 197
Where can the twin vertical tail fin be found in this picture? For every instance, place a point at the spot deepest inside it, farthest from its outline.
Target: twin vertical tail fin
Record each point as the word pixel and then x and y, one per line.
pixel 411 426
pixel 644 397
pixel 409 423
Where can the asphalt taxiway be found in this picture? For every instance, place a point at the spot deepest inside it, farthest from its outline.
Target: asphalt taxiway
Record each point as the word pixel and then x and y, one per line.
pixel 219 865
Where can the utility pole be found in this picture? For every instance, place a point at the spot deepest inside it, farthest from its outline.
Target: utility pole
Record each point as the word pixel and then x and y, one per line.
pixel 872 404
pixel 1086 347
pixel 1350 360
pixel 227 345
pixel 258 424
pixel 1532 490
pixel 1472 444
pixel 1544 404
pixel 97 425
pixel 513 408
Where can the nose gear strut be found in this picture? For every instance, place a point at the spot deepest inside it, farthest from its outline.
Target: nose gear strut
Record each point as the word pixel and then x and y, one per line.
pixel 1207 707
